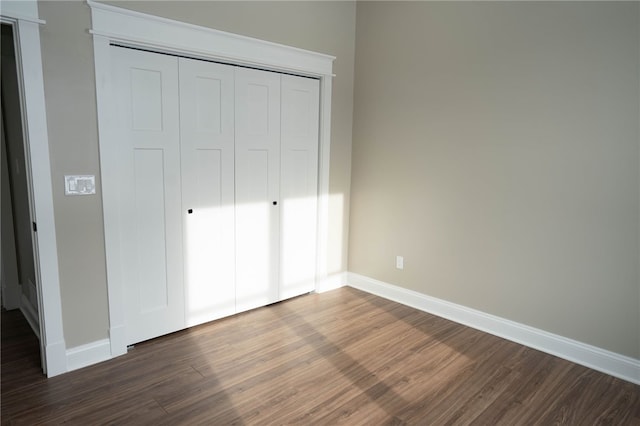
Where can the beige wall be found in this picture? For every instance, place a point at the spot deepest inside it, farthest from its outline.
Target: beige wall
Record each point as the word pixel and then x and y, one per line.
pixel 327 27
pixel 67 60
pixel 496 147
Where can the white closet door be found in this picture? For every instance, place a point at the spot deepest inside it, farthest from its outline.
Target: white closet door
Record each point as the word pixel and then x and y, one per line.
pixel 207 146
pixel 146 96
pixel 257 137
pixel 299 185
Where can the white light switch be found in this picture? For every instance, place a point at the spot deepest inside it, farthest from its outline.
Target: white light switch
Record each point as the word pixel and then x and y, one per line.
pixel 79 185
pixel 399 262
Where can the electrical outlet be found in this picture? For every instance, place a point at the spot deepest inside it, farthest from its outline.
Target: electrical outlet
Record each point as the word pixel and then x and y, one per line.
pixel 399 262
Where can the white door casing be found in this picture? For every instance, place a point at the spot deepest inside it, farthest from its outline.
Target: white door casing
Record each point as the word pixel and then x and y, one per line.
pixel 115 25
pixel 23 15
pixel 207 147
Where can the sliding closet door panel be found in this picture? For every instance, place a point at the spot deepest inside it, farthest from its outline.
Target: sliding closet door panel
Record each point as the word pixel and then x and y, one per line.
pixel 150 214
pixel 299 185
pixel 207 145
pixel 257 147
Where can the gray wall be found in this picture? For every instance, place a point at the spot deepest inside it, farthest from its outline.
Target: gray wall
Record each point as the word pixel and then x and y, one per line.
pixel 496 147
pixel 327 27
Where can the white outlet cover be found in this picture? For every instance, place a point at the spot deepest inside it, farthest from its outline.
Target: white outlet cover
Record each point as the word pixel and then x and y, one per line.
pixel 79 184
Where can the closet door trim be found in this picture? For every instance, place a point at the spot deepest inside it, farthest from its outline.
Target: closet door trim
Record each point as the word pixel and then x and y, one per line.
pixel 113 25
pixel 165 35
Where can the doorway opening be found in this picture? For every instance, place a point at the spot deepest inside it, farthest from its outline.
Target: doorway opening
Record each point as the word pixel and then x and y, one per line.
pixel 19 277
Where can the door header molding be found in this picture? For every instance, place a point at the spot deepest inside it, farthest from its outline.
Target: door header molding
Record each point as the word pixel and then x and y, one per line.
pixel 166 35
pixel 21 11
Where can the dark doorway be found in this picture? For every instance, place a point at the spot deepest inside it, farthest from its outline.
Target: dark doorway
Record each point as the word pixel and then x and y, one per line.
pixel 19 294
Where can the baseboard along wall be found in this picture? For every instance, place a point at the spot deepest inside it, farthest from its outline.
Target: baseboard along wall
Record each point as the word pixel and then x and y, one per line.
pixel 608 362
pixel 89 354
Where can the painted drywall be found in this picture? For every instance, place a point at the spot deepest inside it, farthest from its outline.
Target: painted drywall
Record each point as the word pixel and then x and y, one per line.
pixel 496 148
pixel 67 62
pixel 18 194
pixel 327 27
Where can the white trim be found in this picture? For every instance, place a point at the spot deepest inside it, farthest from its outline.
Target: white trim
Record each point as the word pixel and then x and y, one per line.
pixel 139 29
pixel 110 195
pixel 23 10
pixel 611 363
pixel 56 358
pixel 115 25
pixel 332 282
pixel 23 15
pixel 30 314
pixel 118 340
pixel 38 143
pixel 324 164
pixel 89 354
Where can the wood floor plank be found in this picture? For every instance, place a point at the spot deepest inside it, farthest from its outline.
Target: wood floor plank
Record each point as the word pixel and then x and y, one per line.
pixel 532 369
pixel 609 404
pixel 342 357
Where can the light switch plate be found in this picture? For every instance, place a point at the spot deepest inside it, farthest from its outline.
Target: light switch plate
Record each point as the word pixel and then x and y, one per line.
pixel 79 184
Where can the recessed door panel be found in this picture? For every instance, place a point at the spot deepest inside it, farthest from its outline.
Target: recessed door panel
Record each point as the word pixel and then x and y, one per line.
pixel 208 93
pixel 255 235
pixel 146 99
pixel 146 120
pixel 150 229
pixel 257 110
pixel 207 134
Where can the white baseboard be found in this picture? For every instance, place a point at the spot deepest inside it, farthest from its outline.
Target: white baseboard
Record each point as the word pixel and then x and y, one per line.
pixel 102 350
pixel 118 341
pixel 30 314
pixel 56 358
pixel 332 282
pixel 56 362
pixel 89 354
pixel 611 363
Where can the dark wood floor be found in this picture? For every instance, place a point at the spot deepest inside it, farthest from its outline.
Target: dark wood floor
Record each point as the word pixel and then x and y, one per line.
pixel 339 357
